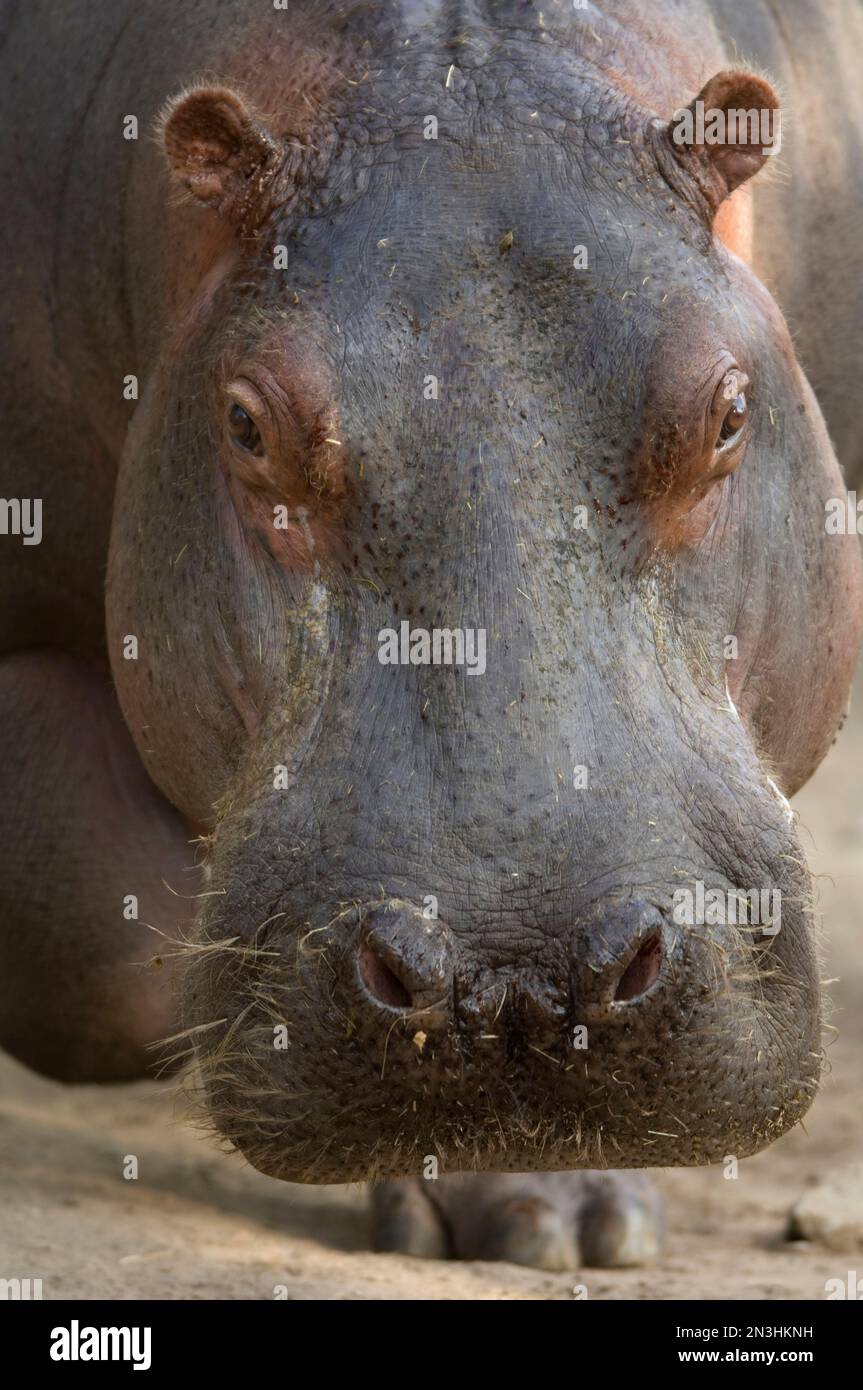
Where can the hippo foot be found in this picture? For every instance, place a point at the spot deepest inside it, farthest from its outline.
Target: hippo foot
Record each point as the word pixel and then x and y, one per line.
pixel 552 1221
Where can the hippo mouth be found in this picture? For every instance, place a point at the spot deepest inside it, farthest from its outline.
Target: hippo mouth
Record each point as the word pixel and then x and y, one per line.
pixel 662 1054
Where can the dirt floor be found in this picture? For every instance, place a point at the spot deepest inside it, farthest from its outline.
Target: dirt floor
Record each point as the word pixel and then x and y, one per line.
pixel 198 1224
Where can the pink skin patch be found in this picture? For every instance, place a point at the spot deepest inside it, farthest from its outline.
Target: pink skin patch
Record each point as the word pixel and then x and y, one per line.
pixel 734 223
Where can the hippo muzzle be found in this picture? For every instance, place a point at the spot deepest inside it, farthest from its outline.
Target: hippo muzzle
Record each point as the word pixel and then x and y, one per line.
pixel 500 982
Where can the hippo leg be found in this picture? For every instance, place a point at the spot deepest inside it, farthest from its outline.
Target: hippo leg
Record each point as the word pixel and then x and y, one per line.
pixel 554 1221
pixel 82 831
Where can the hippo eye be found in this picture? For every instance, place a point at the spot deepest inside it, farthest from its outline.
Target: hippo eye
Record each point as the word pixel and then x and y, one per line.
pixel 734 420
pixel 243 430
pixel 730 410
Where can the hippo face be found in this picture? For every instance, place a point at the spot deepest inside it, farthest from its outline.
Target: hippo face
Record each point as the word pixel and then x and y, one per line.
pixel 486 616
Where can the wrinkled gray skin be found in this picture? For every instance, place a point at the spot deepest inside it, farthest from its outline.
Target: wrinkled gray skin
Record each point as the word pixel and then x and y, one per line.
pixel 409 1036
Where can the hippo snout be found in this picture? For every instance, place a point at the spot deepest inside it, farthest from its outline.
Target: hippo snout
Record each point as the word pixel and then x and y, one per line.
pixel 518 986
pixel 406 967
pixel 542 1031
pixel 351 1039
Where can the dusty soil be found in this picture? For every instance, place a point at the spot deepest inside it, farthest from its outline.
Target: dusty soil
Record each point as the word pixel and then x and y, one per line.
pixel 198 1224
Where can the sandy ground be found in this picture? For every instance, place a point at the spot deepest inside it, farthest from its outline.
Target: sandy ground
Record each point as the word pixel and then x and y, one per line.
pixel 198 1224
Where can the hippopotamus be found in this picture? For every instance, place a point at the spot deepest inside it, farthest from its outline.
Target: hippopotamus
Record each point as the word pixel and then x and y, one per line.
pixel 429 410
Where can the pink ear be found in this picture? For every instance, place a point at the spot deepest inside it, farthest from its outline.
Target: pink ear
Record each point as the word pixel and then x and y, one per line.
pixel 220 153
pixel 727 133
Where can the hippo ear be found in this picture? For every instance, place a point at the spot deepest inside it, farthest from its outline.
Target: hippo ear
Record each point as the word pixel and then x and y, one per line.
pixel 219 152
pixel 727 133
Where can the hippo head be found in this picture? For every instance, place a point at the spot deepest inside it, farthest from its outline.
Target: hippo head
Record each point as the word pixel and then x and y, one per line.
pixel 471 526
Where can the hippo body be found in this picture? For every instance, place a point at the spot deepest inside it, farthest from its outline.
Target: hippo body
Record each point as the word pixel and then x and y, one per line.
pixel 418 314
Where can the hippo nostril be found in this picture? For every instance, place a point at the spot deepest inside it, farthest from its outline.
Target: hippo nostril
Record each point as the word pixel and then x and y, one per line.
pixel 641 972
pixel 382 982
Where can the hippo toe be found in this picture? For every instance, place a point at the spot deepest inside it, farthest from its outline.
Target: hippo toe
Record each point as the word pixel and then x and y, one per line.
pixel 552 1221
